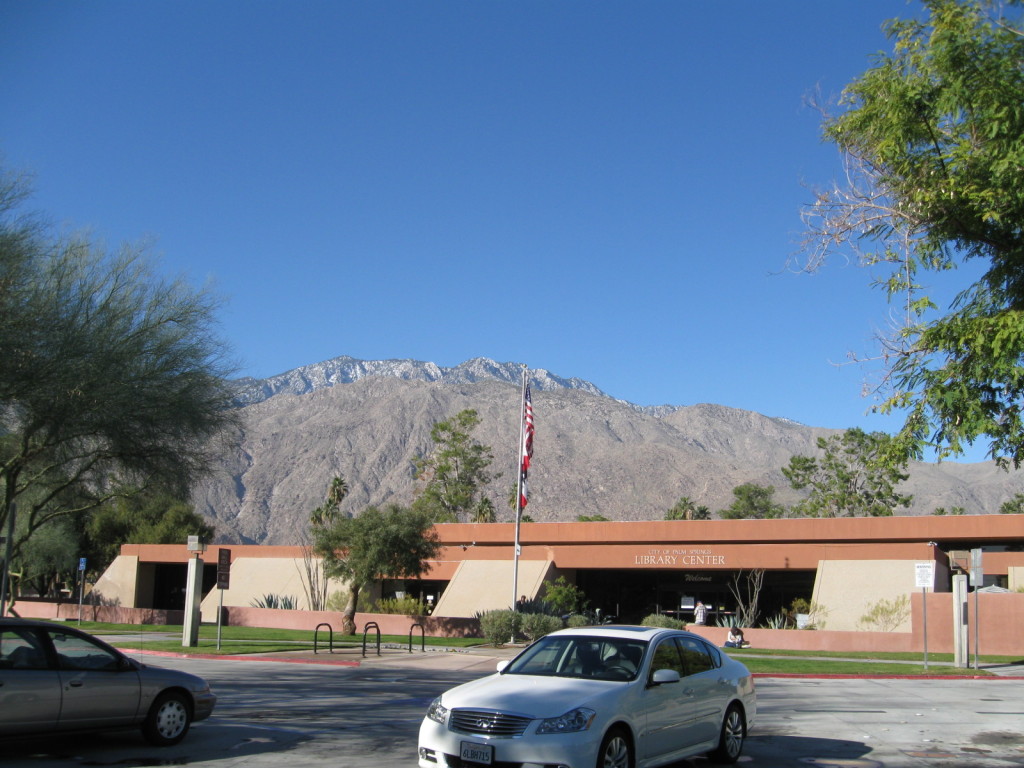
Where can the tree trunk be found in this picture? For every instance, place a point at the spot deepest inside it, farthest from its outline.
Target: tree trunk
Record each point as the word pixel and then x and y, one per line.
pixel 348 616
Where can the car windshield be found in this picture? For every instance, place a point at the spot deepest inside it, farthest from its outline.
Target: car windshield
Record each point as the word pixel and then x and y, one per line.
pixel 598 658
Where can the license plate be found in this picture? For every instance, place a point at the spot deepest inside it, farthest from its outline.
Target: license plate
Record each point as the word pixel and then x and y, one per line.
pixel 477 753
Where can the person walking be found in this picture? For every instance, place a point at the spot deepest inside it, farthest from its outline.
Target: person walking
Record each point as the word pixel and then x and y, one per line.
pixel 700 614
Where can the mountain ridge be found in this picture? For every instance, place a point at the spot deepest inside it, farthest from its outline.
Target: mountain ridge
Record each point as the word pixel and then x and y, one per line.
pixel 346 370
pixel 593 454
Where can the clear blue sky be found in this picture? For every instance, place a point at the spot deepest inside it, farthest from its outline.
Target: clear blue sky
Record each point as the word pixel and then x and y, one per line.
pixel 605 190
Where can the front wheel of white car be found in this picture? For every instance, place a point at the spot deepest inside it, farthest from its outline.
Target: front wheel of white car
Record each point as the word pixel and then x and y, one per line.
pixel 616 750
pixel 730 742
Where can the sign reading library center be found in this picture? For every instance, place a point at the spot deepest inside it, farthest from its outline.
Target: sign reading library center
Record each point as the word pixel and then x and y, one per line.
pixel 679 557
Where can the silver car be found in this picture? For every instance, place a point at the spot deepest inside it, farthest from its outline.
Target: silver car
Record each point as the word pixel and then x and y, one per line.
pixel 611 697
pixel 56 678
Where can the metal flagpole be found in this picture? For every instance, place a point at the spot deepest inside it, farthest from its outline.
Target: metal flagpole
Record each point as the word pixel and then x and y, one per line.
pixel 519 491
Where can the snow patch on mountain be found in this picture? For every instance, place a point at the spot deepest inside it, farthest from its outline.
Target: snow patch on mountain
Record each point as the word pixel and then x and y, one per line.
pixel 346 370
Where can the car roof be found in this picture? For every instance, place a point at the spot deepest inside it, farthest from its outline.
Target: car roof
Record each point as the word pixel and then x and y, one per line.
pixel 16 621
pixel 621 631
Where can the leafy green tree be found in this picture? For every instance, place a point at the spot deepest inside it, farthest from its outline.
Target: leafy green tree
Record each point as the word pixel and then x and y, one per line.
pixel 933 135
pixel 455 472
pixel 110 377
pixel 141 518
pixel 49 559
pixel 1014 506
pixel 687 509
pixel 941 511
pixel 564 597
pixel 376 544
pixel 856 476
pixel 591 518
pixel 753 501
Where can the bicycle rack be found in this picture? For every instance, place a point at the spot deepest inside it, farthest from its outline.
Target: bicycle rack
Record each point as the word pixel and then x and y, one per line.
pixel 371 625
pixel 423 641
pixel 330 637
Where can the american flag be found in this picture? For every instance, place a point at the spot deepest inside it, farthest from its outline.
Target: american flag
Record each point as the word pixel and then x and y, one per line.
pixel 527 451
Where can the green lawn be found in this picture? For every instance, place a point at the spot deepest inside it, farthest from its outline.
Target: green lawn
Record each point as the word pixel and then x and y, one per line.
pixel 241 640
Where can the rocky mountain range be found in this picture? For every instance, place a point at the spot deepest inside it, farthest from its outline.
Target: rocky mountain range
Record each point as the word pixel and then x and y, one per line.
pixel 594 455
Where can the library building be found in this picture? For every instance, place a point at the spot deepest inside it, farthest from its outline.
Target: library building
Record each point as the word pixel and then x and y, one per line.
pixel 629 570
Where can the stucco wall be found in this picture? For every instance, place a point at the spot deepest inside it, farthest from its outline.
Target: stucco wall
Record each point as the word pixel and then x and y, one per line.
pixel 253 579
pixel 118 584
pixel 845 590
pixel 486 585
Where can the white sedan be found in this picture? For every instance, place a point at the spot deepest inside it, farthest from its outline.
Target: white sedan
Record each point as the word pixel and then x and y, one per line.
pixel 610 697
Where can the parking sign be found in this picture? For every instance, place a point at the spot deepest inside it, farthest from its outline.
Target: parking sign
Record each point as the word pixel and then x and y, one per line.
pixel 925 573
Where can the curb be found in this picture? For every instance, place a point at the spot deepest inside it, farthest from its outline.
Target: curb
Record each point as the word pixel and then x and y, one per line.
pixel 240 657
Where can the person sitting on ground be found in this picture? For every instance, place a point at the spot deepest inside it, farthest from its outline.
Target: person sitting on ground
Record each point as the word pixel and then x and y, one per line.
pixel 735 639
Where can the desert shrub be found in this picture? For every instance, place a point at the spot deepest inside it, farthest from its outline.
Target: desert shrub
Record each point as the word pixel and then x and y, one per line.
pixel 578 620
pixel 886 615
pixel 535 625
pixel 336 602
pixel 536 605
pixel 406 606
pixel 816 614
pixel 283 602
pixel 499 627
pixel 663 621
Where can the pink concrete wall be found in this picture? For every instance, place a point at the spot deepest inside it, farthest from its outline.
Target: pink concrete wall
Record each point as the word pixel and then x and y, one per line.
pixel 115 614
pixel 1001 631
pixel 811 640
pixel 389 624
pixel 1001 628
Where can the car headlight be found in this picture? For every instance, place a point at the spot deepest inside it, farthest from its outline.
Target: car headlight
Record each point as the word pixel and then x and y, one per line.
pixel 576 720
pixel 437 711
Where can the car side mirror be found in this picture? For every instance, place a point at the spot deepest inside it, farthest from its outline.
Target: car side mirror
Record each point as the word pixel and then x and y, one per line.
pixel 662 676
pixel 502 664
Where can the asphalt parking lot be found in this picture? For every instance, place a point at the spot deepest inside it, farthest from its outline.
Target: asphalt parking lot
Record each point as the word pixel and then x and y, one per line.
pixel 357 713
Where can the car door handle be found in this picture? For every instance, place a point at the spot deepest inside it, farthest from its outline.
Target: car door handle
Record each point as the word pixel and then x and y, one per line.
pixel 75 684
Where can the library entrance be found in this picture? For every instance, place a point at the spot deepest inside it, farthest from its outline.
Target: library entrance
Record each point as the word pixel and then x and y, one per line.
pixel 627 596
